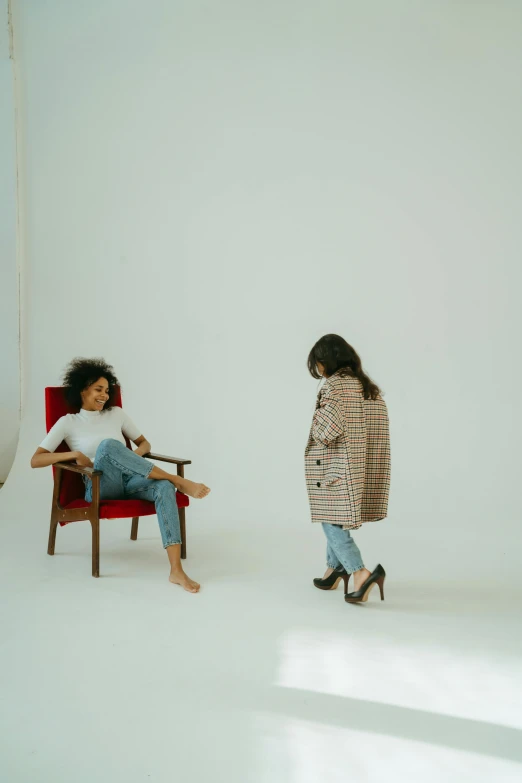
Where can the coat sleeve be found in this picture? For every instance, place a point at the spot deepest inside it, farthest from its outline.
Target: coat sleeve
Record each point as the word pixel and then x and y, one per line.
pixel 327 424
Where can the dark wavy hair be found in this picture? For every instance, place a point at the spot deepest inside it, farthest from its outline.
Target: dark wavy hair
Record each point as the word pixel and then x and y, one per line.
pixel 81 373
pixel 337 356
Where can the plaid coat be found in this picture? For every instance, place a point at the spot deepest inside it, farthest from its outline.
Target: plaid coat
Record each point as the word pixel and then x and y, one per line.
pixel 347 458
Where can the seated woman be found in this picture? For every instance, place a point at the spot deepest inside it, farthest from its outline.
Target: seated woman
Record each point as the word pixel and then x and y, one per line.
pixel 96 437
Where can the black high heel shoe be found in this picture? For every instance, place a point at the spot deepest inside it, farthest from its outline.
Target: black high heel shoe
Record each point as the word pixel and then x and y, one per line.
pixel 377 577
pixel 331 582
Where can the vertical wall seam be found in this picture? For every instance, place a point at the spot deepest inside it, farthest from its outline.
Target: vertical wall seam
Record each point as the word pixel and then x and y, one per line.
pixel 19 221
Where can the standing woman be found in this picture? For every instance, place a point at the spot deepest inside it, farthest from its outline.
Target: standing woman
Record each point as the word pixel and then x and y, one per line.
pixel 347 463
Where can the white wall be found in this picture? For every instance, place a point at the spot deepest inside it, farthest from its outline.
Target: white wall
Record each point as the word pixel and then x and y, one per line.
pixel 9 332
pixel 213 186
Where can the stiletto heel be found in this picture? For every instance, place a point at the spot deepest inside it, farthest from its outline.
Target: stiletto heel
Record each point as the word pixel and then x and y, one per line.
pixel 331 582
pixel 377 577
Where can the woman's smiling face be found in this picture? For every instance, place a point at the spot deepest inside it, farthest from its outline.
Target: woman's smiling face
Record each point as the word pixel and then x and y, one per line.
pixel 95 396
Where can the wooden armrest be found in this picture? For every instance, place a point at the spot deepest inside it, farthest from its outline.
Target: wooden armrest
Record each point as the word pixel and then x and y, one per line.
pixel 78 469
pixel 163 458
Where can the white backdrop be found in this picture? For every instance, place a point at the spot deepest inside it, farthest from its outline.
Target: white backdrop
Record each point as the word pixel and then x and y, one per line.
pixel 9 345
pixel 211 186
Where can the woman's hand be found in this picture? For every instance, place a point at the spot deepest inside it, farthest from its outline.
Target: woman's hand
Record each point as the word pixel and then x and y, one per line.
pixel 82 460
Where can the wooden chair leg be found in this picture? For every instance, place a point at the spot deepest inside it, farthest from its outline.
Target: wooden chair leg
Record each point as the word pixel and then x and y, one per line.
pixel 134 528
pixel 183 533
pixel 181 472
pixel 54 512
pixel 95 524
pixel 52 534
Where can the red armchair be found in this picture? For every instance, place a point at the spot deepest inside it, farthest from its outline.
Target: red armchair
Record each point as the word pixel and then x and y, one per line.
pixel 69 504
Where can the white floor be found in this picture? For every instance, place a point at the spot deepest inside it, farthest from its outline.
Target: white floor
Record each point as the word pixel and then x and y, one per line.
pixel 258 678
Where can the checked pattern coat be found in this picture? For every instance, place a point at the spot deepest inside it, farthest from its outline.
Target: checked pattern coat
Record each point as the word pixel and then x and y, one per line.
pixel 347 458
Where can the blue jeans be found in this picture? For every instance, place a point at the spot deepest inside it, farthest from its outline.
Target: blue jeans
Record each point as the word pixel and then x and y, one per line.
pixel 341 549
pixel 125 477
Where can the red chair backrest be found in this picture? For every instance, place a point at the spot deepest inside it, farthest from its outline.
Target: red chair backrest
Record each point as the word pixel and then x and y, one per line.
pixel 57 406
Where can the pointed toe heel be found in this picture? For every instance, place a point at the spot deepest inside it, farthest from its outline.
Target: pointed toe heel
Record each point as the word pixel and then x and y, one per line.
pixel 377 577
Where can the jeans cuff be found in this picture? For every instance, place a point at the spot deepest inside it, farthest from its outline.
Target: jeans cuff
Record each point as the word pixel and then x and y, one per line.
pixel 171 543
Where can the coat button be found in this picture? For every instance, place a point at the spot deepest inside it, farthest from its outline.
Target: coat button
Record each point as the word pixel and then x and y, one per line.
pixel 318 483
pixel 318 461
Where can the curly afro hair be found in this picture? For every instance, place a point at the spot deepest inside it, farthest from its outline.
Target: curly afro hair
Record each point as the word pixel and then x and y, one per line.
pixel 81 373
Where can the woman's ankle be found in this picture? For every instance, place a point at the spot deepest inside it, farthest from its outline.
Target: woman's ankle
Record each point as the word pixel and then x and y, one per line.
pixel 360 576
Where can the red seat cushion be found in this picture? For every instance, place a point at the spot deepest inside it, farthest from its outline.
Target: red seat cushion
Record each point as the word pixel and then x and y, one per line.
pixel 121 509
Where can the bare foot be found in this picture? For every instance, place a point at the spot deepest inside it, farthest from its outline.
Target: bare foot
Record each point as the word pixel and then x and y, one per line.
pixel 180 578
pixel 359 577
pixel 328 572
pixel 192 489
